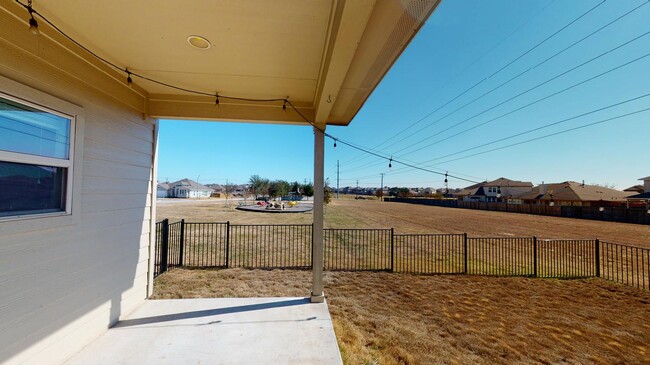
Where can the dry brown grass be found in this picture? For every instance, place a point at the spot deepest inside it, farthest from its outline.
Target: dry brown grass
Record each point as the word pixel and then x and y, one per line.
pixel 385 318
pixel 411 218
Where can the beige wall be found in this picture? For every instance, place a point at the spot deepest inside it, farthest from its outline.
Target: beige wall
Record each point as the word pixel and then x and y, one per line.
pixel 65 281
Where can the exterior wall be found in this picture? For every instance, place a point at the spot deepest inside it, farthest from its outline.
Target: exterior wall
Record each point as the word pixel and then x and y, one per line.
pixel 161 193
pixel 187 193
pixel 65 281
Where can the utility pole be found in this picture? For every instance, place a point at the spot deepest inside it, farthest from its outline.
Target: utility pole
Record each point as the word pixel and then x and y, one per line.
pixel 337 179
pixel 382 187
pixel 357 190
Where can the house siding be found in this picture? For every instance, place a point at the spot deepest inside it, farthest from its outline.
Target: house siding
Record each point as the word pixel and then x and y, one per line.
pixel 63 285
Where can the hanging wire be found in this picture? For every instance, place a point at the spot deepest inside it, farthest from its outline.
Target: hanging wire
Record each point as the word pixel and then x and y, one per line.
pixel 285 101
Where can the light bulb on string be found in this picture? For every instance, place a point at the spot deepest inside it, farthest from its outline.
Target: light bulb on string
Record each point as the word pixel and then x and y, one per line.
pixel 284 105
pixel 335 144
pixel 129 80
pixel 390 163
pixel 33 24
pixel 216 101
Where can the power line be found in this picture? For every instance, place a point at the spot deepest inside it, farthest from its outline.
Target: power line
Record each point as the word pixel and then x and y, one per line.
pixel 537 129
pixel 551 134
pixel 541 127
pixel 537 86
pixel 511 79
pixel 492 75
pixel 532 103
pixel 461 73
pixel 546 97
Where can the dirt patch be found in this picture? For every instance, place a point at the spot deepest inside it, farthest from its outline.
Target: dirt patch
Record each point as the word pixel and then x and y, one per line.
pixel 385 318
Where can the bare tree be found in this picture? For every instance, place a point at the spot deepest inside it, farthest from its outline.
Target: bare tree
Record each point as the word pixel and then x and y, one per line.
pixel 228 189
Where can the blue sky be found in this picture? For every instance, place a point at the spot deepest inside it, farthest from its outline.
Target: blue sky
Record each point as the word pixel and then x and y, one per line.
pixel 485 52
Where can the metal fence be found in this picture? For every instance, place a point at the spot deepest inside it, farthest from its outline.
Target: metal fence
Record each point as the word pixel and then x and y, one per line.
pixel 270 246
pixel 358 249
pixel 290 246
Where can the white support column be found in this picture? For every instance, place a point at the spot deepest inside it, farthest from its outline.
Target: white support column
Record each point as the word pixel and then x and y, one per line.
pixel 317 295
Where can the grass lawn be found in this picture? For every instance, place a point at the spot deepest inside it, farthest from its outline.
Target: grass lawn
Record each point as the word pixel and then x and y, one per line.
pixel 388 318
pixel 411 218
pixel 384 318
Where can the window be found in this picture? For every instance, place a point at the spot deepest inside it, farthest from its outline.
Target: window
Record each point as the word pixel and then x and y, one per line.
pixel 36 159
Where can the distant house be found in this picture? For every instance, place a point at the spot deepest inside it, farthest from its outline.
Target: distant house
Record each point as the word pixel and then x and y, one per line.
pixel 638 189
pixel 187 188
pixel 494 191
pixel 217 190
pixel 572 193
pixel 643 198
pixel 163 190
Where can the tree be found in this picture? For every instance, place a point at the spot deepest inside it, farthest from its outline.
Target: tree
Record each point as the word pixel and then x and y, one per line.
pixel 327 197
pixel 379 193
pixel 258 185
pixel 278 188
pixel 295 187
pixel 307 189
pixel 228 189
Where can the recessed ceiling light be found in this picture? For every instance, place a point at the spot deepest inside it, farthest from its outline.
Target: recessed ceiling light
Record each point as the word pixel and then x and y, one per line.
pixel 198 42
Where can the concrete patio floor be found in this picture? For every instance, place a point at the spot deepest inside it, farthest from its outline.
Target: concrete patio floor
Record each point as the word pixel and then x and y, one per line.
pixel 218 331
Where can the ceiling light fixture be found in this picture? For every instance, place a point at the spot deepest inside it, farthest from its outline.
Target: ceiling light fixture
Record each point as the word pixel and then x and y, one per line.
pixel 199 42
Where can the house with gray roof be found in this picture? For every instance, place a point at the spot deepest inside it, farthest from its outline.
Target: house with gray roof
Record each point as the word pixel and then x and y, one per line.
pixel 187 188
pixel 162 190
pixel 493 191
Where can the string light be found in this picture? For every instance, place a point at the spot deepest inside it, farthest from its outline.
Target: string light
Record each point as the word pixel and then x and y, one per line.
pixel 390 162
pixel 334 143
pixel 33 24
pixel 216 101
pixel 129 80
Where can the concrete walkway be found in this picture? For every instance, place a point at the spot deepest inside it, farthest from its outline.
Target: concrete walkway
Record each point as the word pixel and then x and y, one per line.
pixel 218 331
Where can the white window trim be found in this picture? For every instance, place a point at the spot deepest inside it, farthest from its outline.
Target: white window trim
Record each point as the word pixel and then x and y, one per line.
pixel 28 96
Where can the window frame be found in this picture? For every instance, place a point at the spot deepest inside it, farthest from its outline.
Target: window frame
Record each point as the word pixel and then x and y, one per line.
pixel 36 99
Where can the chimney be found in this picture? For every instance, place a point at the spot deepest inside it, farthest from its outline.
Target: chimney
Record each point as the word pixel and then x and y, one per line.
pixel 542 189
pixel 646 184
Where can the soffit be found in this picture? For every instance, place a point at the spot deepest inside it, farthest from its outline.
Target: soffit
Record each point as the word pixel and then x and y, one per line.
pixel 325 55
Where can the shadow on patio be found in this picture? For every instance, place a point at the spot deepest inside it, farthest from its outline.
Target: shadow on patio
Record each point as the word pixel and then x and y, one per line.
pixel 219 331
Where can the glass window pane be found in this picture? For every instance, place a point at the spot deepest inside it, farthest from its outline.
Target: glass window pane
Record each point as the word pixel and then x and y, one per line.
pixel 31 189
pixel 28 130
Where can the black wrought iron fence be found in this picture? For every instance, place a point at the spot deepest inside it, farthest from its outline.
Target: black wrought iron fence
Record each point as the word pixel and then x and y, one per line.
pixel 358 249
pixel 203 245
pixel 430 253
pixel 502 256
pixel 290 246
pixel 270 246
pixel 624 264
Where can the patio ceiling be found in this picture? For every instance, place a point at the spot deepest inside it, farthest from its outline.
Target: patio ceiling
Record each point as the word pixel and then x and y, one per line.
pixel 327 56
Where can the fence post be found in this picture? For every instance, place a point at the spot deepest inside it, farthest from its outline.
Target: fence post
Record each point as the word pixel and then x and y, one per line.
pixel 227 244
pixel 535 256
pixel 597 258
pixel 465 253
pixel 164 247
pixel 392 249
pixel 181 246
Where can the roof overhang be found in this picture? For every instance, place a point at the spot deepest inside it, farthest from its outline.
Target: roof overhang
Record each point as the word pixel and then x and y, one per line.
pixel 326 56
